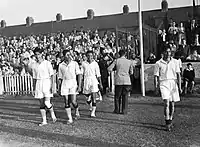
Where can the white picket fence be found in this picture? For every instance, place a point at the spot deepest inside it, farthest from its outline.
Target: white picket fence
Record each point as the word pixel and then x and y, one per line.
pixel 23 84
pixel 19 84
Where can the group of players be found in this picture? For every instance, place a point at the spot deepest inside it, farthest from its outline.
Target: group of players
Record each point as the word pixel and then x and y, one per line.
pixel 70 80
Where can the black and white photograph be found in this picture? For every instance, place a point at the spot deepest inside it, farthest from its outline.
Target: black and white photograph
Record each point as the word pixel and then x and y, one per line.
pixel 100 73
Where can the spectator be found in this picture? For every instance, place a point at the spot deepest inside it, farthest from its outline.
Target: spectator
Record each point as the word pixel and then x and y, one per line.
pixel 151 59
pixel 194 56
pixel 173 32
pixel 181 33
pixel 188 78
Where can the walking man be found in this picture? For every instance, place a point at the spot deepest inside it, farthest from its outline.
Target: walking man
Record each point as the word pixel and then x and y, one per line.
pixel 92 80
pixel 166 77
pixel 123 69
pixel 42 72
pixel 67 72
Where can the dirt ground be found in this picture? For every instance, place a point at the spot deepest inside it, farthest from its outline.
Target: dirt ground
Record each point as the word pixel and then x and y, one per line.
pixel 143 126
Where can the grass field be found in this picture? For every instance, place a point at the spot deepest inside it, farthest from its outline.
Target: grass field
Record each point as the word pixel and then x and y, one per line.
pixel 142 127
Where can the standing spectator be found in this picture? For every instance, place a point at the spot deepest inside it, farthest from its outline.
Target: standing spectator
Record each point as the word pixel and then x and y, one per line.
pixel 181 34
pixel 166 75
pixel 124 69
pixel 173 32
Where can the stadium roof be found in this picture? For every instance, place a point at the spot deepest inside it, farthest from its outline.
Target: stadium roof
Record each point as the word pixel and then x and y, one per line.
pixel 98 22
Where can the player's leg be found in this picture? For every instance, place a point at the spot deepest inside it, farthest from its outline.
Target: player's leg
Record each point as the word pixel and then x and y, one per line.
pixel 93 97
pixel 43 112
pixel 166 114
pixel 49 107
pixel 75 105
pixel 68 109
pixel 171 110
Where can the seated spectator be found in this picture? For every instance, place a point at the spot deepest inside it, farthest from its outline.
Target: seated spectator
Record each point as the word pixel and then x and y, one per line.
pixel 188 78
pixel 151 59
pixel 194 56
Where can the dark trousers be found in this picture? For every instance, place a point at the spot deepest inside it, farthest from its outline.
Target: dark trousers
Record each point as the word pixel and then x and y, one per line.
pixel 121 97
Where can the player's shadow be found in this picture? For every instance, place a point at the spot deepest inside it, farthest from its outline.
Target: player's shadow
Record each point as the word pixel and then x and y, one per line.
pixel 178 105
pixel 80 141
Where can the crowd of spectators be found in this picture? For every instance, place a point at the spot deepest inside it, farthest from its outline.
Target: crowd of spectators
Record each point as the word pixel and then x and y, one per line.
pixel 183 39
pixel 14 49
pixel 78 42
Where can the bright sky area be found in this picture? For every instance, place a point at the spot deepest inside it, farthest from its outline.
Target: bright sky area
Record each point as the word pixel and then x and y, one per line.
pixel 16 11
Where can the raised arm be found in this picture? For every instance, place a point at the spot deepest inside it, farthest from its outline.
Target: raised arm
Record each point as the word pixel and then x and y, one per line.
pixel 112 66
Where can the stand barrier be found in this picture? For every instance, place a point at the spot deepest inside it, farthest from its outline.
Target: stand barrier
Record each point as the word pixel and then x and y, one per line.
pixel 23 84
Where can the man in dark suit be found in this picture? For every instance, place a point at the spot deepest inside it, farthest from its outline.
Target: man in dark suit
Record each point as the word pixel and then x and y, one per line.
pixel 191 31
pixel 123 69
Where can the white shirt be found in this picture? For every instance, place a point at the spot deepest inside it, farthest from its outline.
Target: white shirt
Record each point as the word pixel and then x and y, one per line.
pixel 167 71
pixel 68 72
pixel 179 63
pixel 43 70
pixel 91 69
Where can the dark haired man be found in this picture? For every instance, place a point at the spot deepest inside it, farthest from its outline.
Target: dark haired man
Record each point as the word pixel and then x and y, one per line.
pixel 67 72
pixel 92 79
pixel 188 78
pixel 166 75
pixel 123 69
pixel 42 72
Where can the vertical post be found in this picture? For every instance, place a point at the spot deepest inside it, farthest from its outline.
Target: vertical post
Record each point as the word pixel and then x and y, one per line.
pixel 117 43
pixel 128 53
pixel 141 49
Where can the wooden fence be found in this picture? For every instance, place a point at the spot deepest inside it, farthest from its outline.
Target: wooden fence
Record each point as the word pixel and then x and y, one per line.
pixel 23 84
pixel 20 84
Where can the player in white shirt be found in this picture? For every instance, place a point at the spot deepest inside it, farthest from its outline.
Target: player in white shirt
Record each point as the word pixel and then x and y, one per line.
pixel 167 78
pixel 42 72
pixel 92 79
pixel 67 72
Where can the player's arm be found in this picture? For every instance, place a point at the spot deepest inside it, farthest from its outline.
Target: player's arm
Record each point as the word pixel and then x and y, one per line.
pixel 179 79
pixel 156 77
pixel 98 75
pixel 79 75
pixel 178 74
pixel 60 76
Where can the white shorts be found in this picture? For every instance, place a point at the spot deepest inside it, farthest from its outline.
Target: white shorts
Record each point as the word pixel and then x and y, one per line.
pixel 42 88
pixel 69 87
pixel 90 85
pixel 169 90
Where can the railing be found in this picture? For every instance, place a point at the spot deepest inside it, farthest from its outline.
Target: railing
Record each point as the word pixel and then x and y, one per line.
pixel 23 84
pixel 20 84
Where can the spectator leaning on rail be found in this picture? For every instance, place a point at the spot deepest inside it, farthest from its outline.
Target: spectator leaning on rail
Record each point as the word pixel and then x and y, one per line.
pixel 166 74
pixel 123 69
